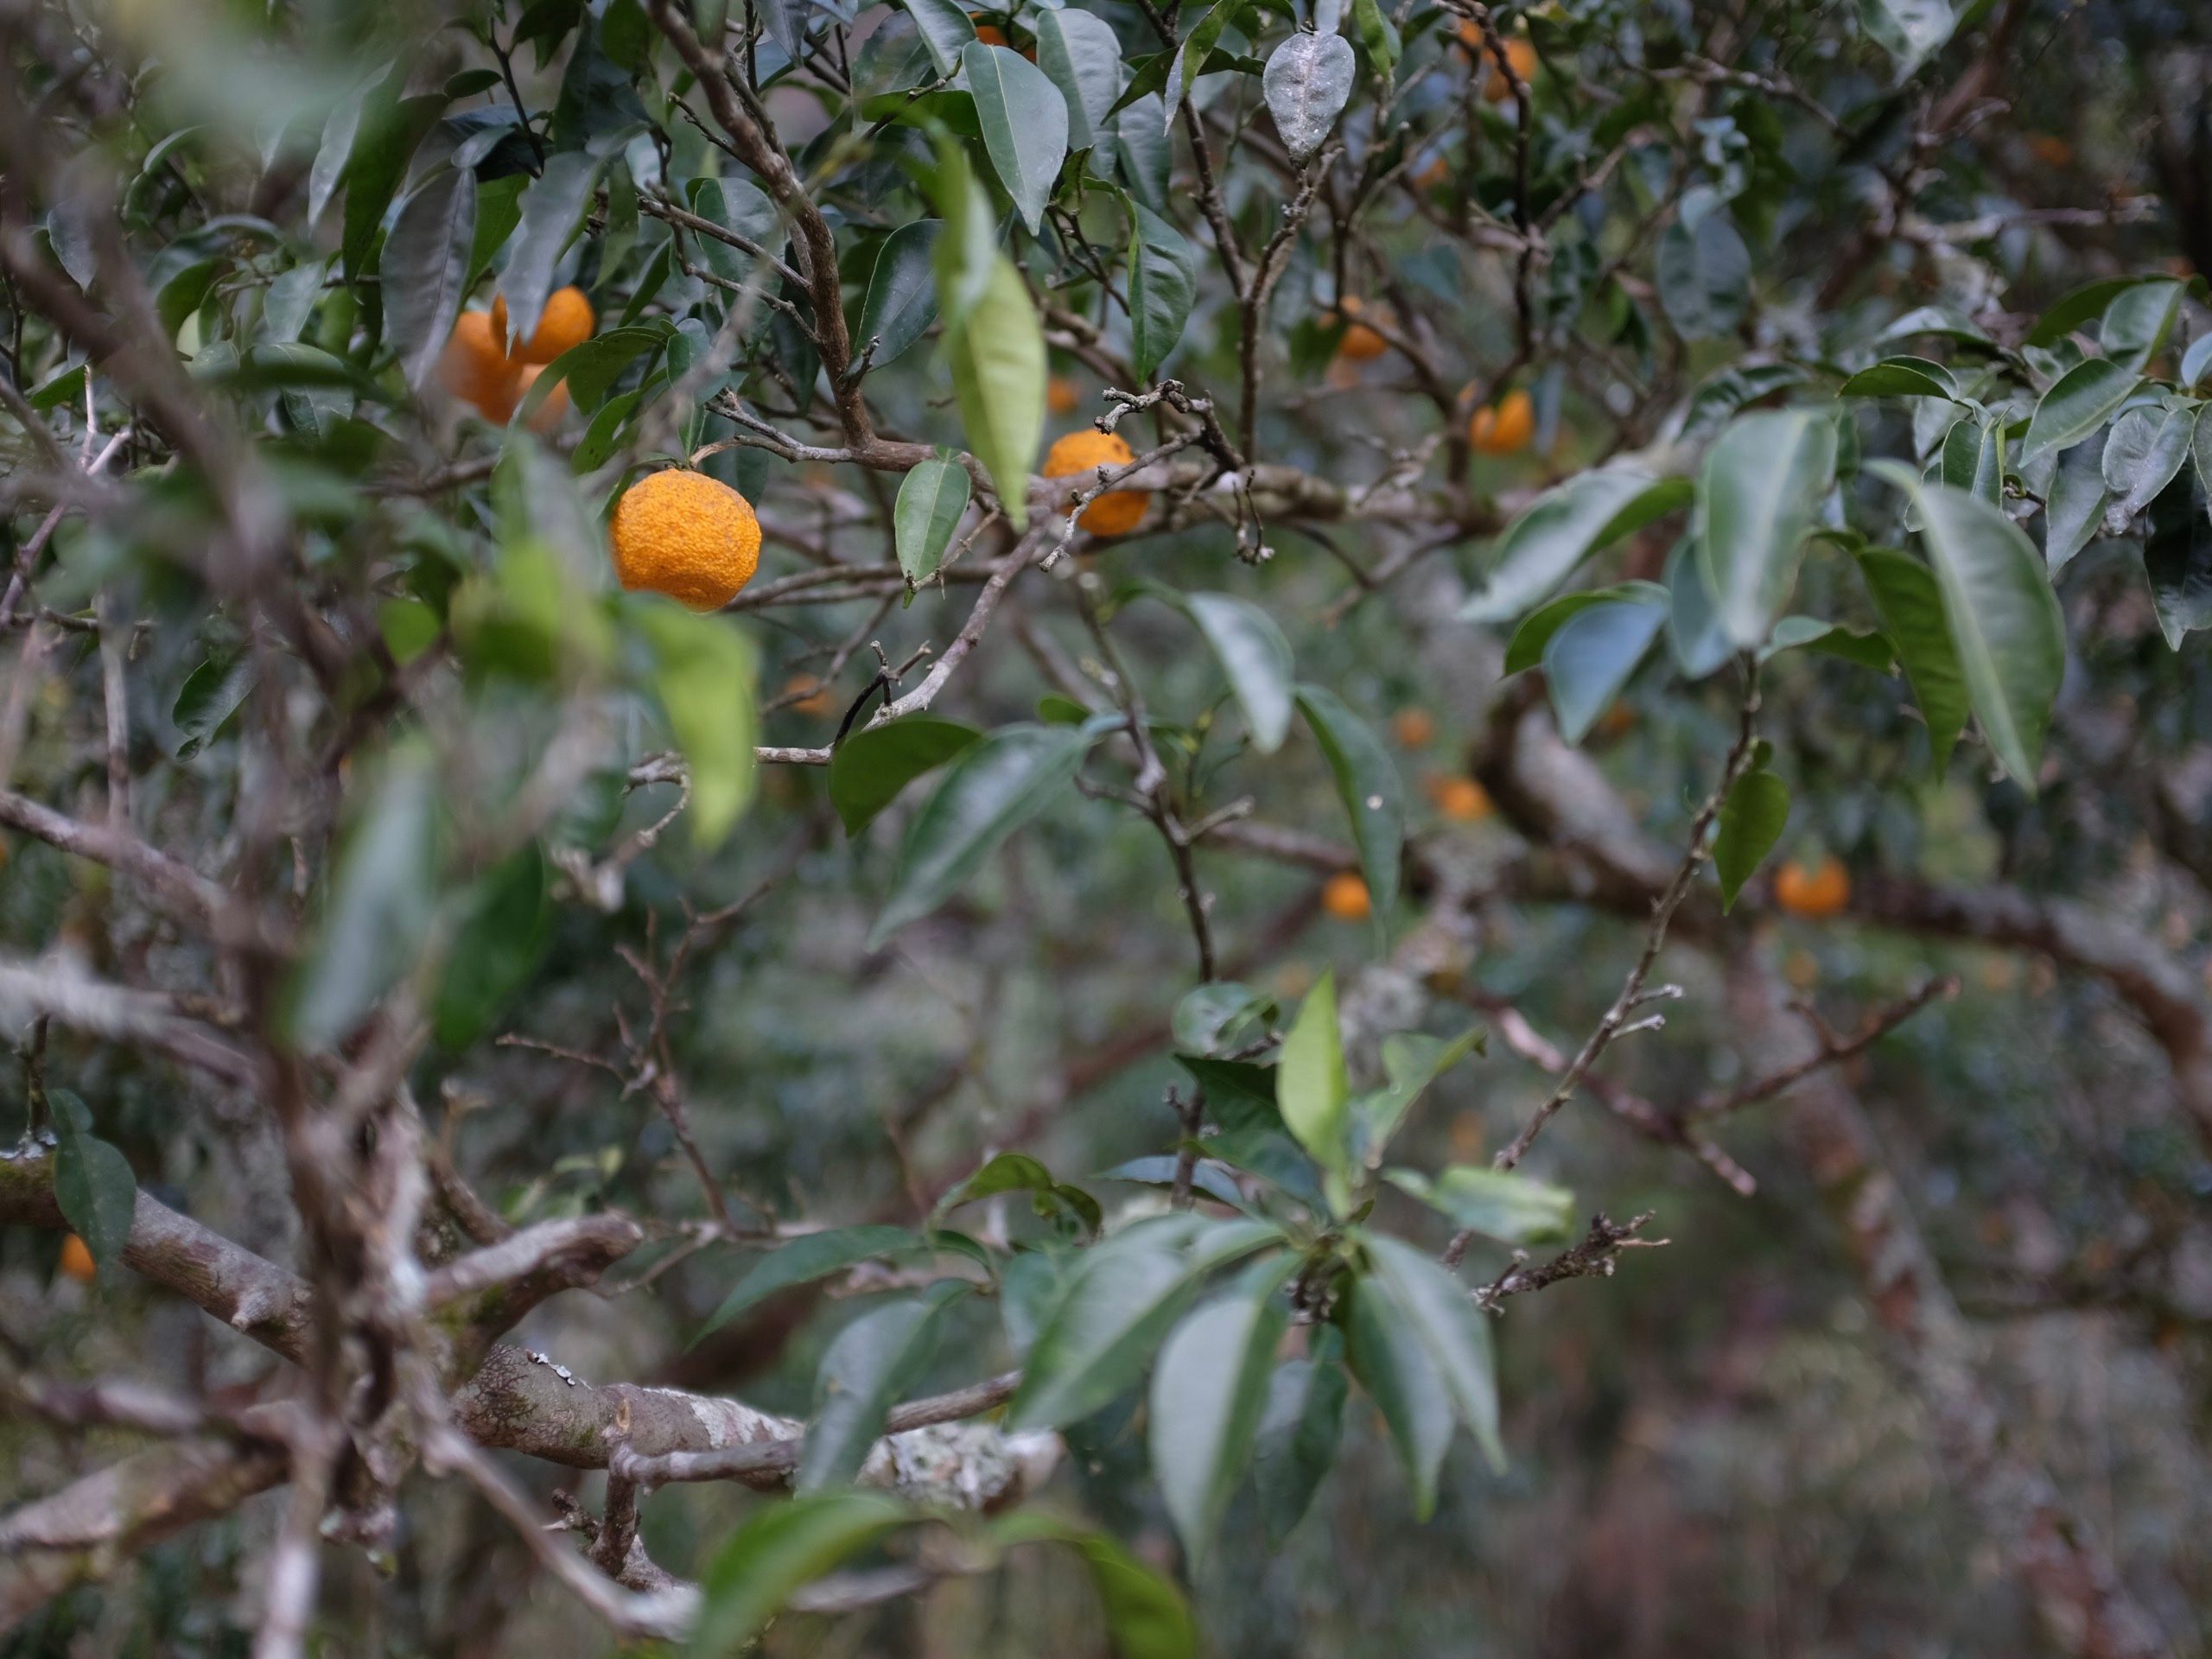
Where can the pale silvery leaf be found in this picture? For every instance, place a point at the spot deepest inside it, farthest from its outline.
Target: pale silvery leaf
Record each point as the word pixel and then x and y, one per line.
pixel 1307 81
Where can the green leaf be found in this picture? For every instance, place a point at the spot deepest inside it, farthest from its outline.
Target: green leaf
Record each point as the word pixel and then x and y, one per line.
pixel 2139 319
pixel 1591 656
pixel 2177 557
pixel 2004 617
pixel 2074 505
pixel 703 675
pixel 931 498
pixel 1910 606
pixel 862 1374
pixel 339 129
pixel 1163 278
pixel 552 211
pixel 1453 1331
pixel 1082 54
pixel 1901 377
pixel 1758 493
pixel 1705 276
pixel 1208 1392
pixel 1190 56
pixel 1252 652
pixel 946 31
pixel 380 908
pixel 743 209
pixel 1311 1089
pixel 92 1182
pixel 1219 1016
pixel 1525 650
pixel 1024 124
pixel 1910 31
pixel 997 357
pixel 497 948
pixel 901 300
pixel 1411 1061
pixel 1973 458
pixel 590 369
pixel 1145 1617
pixel 1751 821
pixel 390 131
pixel 775 1553
pixel 2146 449
pixel 1368 783
pixel 1307 82
pixel 810 1256
pixel 1500 1204
pixel 1123 1298
pixel 2078 307
pixel 997 787
pixel 1015 1172
pixel 1378 36
pixel 2196 361
pixel 211 693
pixel 1562 527
pixel 1300 1430
pixel 2083 399
pixel 425 269
pixel 871 766
pixel 1695 638
pixel 1395 1368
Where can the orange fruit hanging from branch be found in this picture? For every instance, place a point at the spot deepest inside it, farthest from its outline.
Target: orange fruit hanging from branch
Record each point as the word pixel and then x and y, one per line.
pixel 1118 511
pixel 685 535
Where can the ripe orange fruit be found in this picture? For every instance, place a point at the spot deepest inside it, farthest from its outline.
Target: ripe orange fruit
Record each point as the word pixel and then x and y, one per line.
pixel 1437 172
pixel 1815 893
pixel 76 1260
pixel 1518 53
pixel 685 535
pixel 1413 728
pixel 990 33
pixel 2051 149
pixel 1117 511
pixel 1061 395
pixel 1460 800
pixel 1505 427
pixel 816 700
pixel 1360 344
pixel 547 416
pixel 473 368
pixel 566 321
pixel 1344 897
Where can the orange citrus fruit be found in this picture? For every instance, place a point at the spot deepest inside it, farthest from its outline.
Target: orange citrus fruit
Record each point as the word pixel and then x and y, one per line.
pixel 1061 395
pixel 566 321
pixel 1361 343
pixel 1518 53
pixel 1413 728
pixel 1117 511
pixel 685 535
pixel 1344 897
pixel 1460 800
pixel 473 368
pixel 77 1259
pixel 1815 891
pixel 548 415
pixel 1502 428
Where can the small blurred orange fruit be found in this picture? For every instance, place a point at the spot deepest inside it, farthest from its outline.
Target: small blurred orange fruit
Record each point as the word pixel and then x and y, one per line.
pixel 566 321
pixel 815 697
pixel 1496 89
pixel 1413 728
pixel 1814 892
pixel 1344 897
pixel 547 416
pixel 1361 343
pixel 2051 149
pixel 76 1260
pixel 1061 395
pixel 1460 800
pixel 1505 427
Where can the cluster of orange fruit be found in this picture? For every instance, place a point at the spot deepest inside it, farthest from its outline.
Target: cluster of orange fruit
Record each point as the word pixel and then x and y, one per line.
pixel 480 368
pixel 1500 429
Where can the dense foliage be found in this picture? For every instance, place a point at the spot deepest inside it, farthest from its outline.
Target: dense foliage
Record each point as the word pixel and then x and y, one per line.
pixel 1335 666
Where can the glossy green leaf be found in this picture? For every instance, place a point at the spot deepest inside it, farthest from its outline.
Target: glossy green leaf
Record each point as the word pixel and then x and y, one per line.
pixel 2074 506
pixel 2178 558
pixel 1758 493
pixel 2004 617
pixel 1910 31
pixel 1300 1430
pixel 2196 361
pixel 1219 1016
pixel 1368 783
pixel 932 499
pixel 1592 656
pixel 495 948
pixel 1411 1061
pixel 1750 823
pixel 1163 278
pixel 863 1372
pixel 1911 605
pixel 552 211
pixel 1500 1204
pixel 873 765
pixel 1695 637
pixel 946 31
pixel 2139 319
pixel 997 786
pixel 742 208
pixel 1311 1088
pixel 1189 57
pixel 211 693
pixel 704 675
pixel 901 300
pixel 1973 458
pixel 808 1257
pixel 1901 377
pixel 425 269
pixel 1448 1325
pixel 1525 650
pixel 1122 1300
pixel 1394 1369
pixel 1079 51
pixel 390 131
pixel 1705 276
pixel 1024 124
pixel 2146 448
pixel 1562 527
pixel 1146 1617
pixel 2083 399
pixel 92 1181
pixel 1209 1390
pixel 1252 652
pixel 997 357
pixel 2084 305
pixel 778 1551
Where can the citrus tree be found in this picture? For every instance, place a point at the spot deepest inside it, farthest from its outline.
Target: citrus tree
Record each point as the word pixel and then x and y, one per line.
pixel 1054 705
